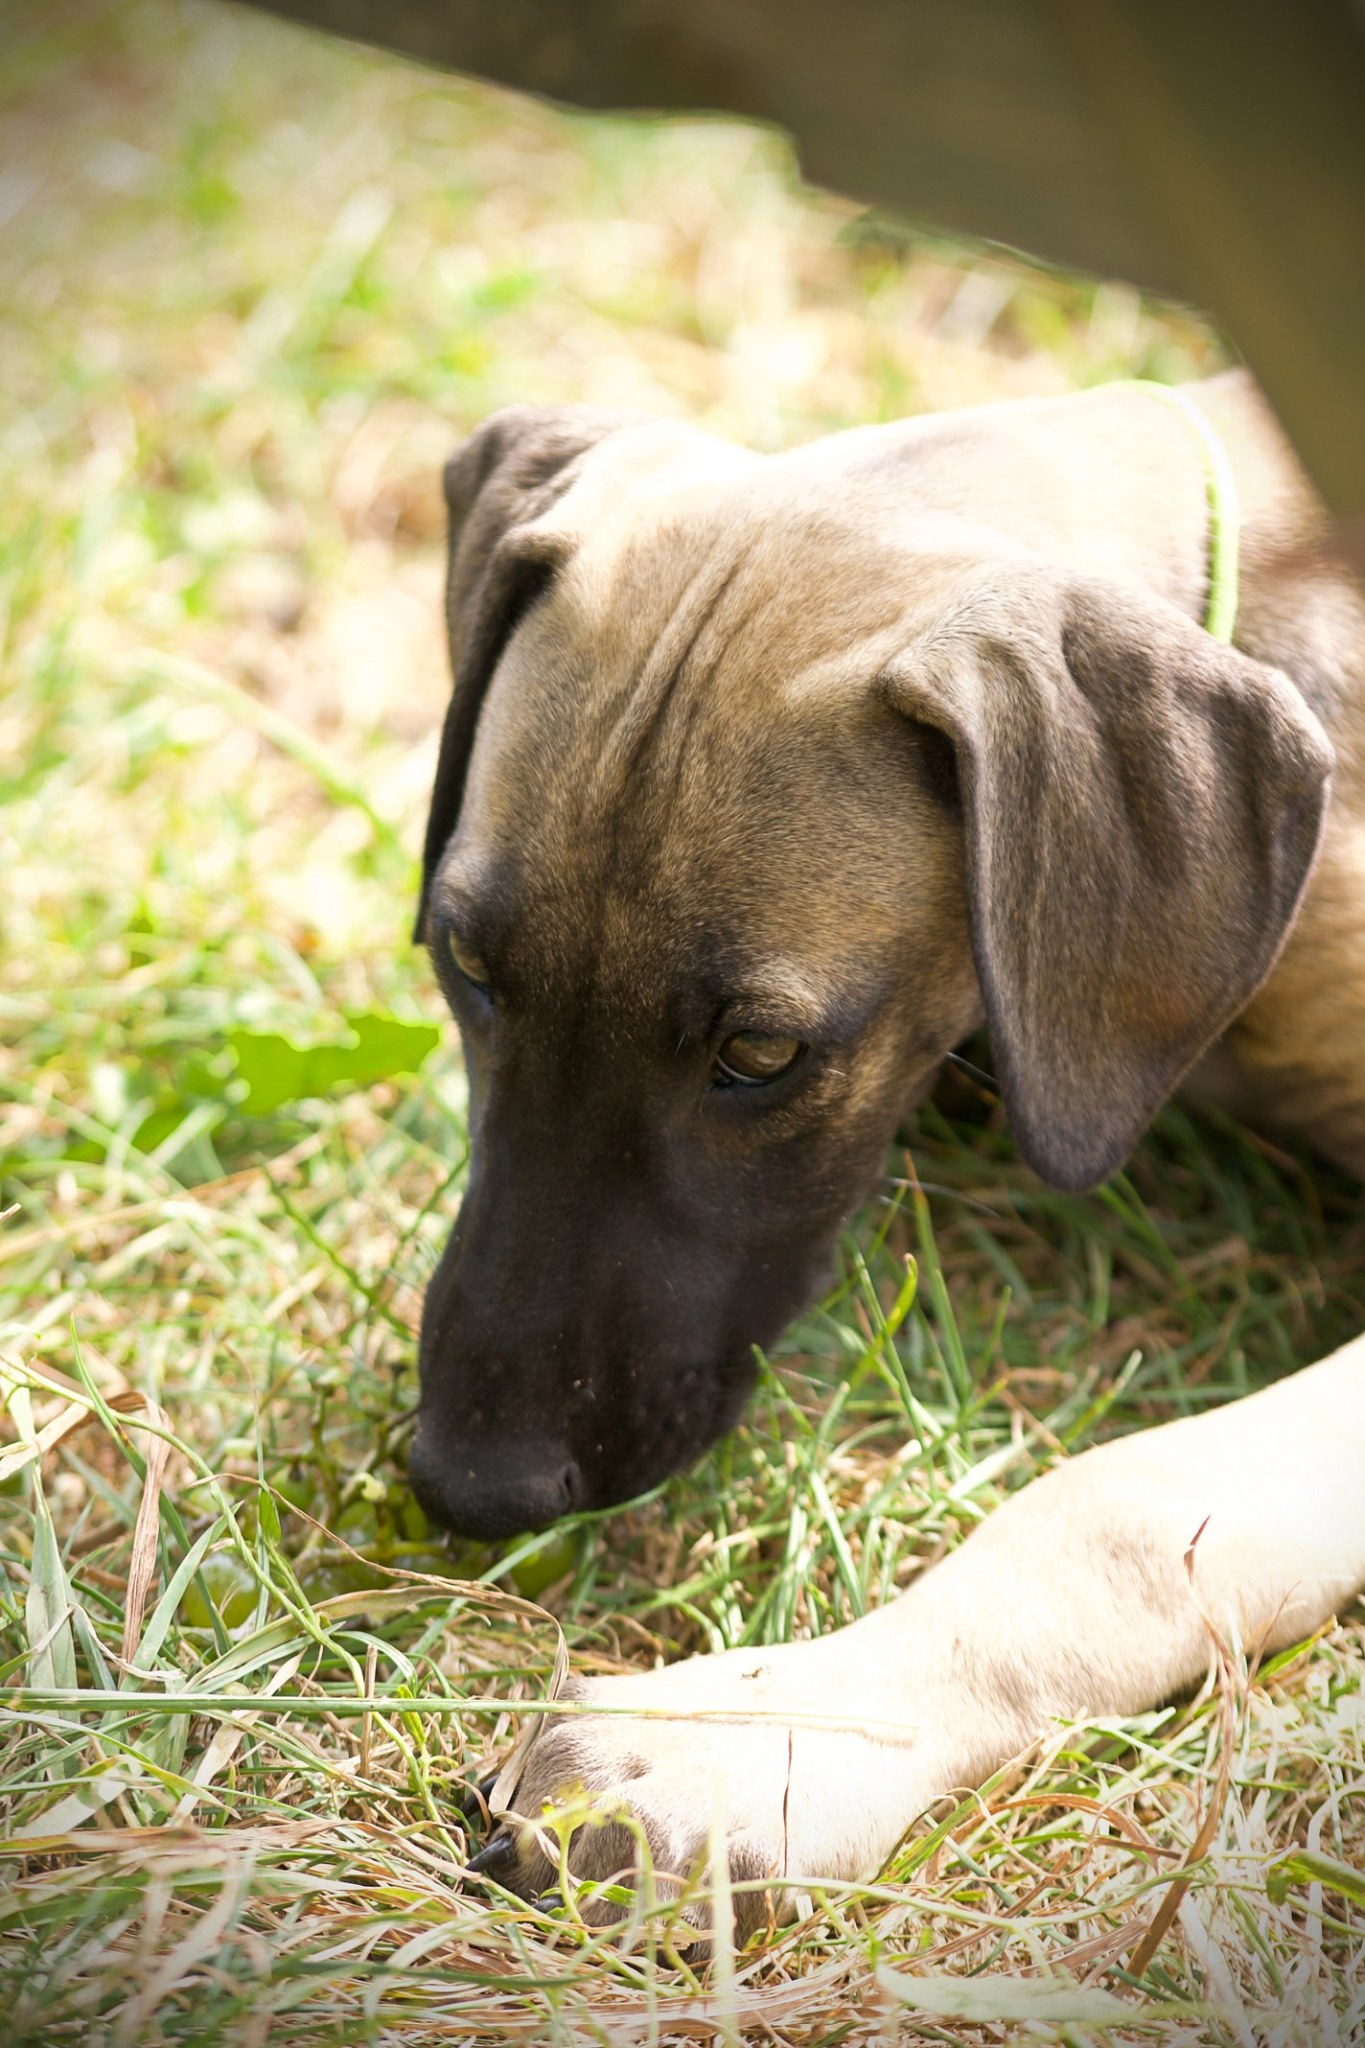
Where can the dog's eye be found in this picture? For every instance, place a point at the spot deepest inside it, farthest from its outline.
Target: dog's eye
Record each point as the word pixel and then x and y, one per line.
pixel 467 962
pixel 753 1056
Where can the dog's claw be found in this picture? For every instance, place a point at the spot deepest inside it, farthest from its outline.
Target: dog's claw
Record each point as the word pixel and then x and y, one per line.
pixel 473 1801
pixel 494 1856
pixel 549 1902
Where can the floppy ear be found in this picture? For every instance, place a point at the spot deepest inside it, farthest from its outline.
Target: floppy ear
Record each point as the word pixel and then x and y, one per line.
pixel 503 478
pixel 1141 807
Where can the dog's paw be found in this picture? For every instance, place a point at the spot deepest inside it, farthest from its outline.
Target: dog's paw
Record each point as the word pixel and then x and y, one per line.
pixel 648 1773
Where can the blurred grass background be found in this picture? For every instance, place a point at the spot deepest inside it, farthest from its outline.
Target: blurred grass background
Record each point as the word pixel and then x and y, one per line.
pixel 253 286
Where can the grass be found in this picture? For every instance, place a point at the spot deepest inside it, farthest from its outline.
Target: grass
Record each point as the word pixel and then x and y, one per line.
pixel 255 286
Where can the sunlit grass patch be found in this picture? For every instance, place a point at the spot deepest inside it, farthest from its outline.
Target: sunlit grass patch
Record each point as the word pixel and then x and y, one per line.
pixel 254 287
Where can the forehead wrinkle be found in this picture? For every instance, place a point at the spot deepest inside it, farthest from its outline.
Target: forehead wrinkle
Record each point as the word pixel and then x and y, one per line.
pixel 633 727
pixel 692 620
pixel 649 725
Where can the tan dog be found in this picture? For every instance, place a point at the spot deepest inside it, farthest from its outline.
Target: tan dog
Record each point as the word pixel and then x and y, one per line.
pixel 765 781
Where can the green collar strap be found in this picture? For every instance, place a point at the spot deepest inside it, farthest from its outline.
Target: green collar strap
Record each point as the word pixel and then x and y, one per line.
pixel 1225 521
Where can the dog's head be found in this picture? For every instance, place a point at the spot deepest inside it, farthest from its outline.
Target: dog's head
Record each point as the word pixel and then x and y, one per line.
pixel 759 788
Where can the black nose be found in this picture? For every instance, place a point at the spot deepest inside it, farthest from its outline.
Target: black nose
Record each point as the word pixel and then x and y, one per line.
pixel 496 1489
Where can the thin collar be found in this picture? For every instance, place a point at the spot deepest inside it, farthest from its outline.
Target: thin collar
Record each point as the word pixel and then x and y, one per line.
pixel 1225 518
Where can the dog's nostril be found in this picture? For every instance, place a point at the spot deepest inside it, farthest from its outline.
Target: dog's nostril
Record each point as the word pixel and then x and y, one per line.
pixel 493 1488
pixel 571 1484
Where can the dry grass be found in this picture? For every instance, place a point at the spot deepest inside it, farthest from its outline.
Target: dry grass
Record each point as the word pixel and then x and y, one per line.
pixel 253 288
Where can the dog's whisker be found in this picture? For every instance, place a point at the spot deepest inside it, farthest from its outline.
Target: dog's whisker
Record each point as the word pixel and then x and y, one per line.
pixel 977 1073
pixel 935 1187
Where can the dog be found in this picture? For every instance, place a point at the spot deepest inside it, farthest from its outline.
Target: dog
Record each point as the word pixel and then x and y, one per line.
pixel 765 782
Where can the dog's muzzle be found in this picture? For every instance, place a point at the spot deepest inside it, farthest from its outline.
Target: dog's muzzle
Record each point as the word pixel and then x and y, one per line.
pixel 495 1490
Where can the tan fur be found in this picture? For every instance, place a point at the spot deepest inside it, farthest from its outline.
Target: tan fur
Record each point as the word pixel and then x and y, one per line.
pixel 833 581
pixel 724 711
pixel 1072 1601
pixel 1297 1047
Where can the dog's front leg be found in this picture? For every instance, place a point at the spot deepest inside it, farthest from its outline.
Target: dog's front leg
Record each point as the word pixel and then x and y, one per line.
pixel 1075 1599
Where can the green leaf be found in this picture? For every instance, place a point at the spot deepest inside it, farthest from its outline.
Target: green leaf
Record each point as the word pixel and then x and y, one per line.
pixel 269 1514
pixel 52 1655
pixel 1309 1866
pixel 48 1606
pixel 93 1789
pixel 155 1632
pixel 277 1069
pixel 995 1998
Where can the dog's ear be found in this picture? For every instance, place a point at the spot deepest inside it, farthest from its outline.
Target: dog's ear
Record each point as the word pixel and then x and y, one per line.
pixel 1141 806
pixel 497 484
